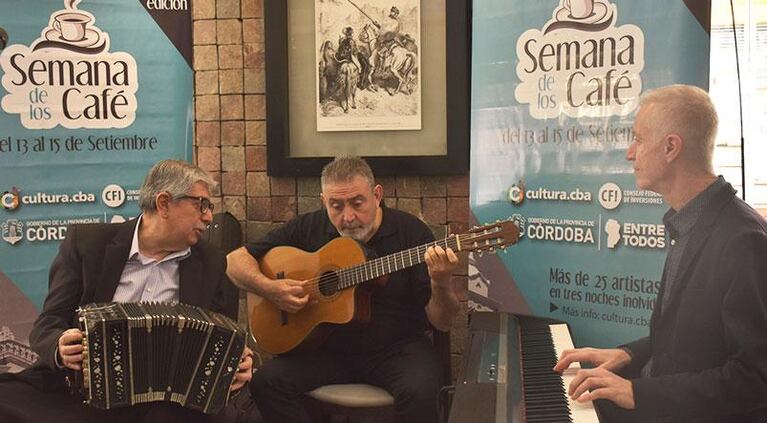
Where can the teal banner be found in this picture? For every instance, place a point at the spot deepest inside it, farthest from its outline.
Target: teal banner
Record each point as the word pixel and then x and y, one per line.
pixel 93 93
pixel 555 88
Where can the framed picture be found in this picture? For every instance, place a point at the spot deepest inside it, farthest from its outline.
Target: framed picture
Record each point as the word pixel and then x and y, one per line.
pixel 387 80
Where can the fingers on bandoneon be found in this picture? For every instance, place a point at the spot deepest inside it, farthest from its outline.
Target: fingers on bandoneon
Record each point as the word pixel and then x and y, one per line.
pixel 71 349
pixel 70 336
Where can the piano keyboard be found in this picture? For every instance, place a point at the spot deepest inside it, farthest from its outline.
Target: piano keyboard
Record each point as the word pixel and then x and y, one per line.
pixel 507 377
pixel 579 411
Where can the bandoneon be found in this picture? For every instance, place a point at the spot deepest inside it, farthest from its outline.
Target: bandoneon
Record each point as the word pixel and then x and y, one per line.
pixel 142 352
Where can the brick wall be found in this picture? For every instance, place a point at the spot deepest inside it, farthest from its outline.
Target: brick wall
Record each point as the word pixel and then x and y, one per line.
pixel 230 141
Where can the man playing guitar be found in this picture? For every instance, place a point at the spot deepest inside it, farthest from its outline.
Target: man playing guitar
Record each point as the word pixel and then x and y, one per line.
pixel 392 350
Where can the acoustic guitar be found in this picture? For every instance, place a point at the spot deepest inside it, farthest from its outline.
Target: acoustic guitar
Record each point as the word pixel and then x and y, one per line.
pixel 336 277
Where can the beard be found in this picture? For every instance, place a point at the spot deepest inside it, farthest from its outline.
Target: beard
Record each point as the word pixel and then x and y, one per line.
pixel 356 231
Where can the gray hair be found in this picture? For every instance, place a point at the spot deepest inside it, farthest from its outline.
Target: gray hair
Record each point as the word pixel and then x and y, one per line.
pixel 176 177
pixel 344 169
pixel 687 111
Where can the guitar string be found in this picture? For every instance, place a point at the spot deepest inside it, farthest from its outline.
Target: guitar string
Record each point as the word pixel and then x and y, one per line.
pixel 358 272
pixel 330 278
pixel 317 284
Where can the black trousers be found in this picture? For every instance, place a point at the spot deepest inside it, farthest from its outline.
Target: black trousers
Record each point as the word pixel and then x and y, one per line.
pixel 409 370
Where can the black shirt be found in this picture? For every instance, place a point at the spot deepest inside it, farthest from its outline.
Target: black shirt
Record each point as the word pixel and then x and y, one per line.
pixel 398 307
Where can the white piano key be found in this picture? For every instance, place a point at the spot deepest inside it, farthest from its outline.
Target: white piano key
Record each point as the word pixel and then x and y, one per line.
pixel 580 412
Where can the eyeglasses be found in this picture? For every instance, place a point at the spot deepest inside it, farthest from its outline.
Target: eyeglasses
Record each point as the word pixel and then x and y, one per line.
pixel 205 203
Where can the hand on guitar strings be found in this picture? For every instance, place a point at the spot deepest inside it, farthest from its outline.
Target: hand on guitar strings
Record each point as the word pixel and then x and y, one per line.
pixel 288 294
pixel 244 370
pixel 70 349
pixel 441 263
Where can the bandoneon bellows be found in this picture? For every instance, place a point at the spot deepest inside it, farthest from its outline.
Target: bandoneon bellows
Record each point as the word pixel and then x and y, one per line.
pixel 142 352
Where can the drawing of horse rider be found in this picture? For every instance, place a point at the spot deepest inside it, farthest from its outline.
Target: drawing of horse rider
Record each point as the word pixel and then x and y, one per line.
pixel 388 36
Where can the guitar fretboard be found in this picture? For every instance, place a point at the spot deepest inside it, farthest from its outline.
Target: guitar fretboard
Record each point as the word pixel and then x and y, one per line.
pixel 385 265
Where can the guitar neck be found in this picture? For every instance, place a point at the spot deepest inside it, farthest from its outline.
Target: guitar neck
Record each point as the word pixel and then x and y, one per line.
pixel 373 269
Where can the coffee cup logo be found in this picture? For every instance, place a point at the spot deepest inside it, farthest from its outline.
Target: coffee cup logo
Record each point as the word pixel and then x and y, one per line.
pixel 582 15
pixel 71 25
pixel 580 9
pixel 82 84
pixel 73 30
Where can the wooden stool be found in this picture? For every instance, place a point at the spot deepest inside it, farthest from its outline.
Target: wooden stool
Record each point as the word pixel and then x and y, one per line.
pixel 350 400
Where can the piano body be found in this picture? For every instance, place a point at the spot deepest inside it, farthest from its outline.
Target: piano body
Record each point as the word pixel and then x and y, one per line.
pixel 506 374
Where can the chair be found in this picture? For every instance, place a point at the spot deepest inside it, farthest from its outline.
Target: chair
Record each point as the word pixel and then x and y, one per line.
pixel 350 401
pixel 356 401
pixel 225 232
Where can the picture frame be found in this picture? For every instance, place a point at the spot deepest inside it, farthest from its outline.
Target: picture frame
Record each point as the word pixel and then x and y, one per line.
pixel 295 148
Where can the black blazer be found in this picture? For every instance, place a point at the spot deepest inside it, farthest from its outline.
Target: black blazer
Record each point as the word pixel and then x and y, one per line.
pixel 709 348
pixel 88 268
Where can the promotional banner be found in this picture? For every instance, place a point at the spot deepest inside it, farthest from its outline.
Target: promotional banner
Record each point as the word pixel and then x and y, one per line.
pixel 555 89
pixel 92 94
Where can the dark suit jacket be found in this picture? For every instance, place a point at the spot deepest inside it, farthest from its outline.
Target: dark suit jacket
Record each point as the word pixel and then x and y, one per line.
pixel 709 348
pixel 88 268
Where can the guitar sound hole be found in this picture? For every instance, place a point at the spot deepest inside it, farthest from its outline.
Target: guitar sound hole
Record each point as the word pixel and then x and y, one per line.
pixel 328 284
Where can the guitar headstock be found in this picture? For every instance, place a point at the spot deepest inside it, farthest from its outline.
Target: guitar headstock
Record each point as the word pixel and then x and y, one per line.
pixel 490 237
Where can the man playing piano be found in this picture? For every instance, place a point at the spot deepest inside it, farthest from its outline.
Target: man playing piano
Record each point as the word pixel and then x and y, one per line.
pixel 705 359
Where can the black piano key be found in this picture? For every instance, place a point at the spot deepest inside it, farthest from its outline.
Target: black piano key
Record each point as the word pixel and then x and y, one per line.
pixel 547 404
pixel 545 394
pixel 552 394
pixel 550 419
pixel 552 383
pixel 554 410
